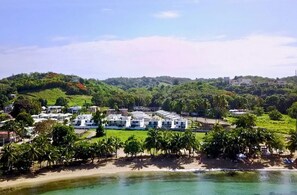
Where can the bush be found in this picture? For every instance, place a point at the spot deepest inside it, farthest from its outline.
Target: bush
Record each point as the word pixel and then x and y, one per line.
pixel 25 118
pixel 275 115
pixel 292 111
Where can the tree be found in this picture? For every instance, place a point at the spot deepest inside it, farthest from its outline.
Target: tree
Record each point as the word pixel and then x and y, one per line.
pixel 176 143
pixel 259 111
pixel 133 146
pixel 42 145
pixel 43 102
pixel 82 150
pixel 153 140
pixel 292 142
pixel 44 127
pixel 292 111
pixel 8 157
pixel 63 136
pixel 98 118
pixel 4 117
pixel 23 104
pixel 220 106
pixel 61 101
pixel 25 118
pixel 275 115
pixel 245 121
pixel 99 99
pixel 189 141
pixel 116 144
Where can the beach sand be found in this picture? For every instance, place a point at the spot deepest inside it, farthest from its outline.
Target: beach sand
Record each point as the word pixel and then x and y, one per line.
pixel 145 163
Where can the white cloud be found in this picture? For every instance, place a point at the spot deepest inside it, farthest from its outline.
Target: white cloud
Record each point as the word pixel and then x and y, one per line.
pixel 170 14
pixel 272 56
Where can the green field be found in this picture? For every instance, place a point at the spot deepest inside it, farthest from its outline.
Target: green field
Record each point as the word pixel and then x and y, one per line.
pixel 125 134
pixel 52 94
pixel 283 126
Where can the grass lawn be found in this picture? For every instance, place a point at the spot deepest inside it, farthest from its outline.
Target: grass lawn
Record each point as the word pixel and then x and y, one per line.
pixel 283 126
pixel 52 94
pixel 125 134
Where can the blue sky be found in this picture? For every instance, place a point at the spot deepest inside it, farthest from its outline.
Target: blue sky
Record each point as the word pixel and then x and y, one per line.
pixel 187 38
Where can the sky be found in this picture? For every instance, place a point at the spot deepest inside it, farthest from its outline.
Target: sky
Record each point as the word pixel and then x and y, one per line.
pixel 116 38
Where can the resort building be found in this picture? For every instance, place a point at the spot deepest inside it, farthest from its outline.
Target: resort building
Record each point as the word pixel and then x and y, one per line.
pixel 93 109
pixel 238 112
pixel 181 124
pixel 172 120
pixel 137 124
pixel 154 124
pixel 168 124
pixel 54 109
pixel 59 117
pixel 84 121
pixel 74 109
pixel 117 121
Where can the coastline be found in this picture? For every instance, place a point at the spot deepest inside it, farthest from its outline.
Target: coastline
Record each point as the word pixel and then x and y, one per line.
pixel 128 166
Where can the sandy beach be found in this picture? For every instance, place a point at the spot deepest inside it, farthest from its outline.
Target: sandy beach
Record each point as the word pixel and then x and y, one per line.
pixel 142 164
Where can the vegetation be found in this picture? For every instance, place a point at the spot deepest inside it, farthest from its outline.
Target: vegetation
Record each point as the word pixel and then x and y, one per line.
pixel 275 115
pixel 273 104
pixel 283 126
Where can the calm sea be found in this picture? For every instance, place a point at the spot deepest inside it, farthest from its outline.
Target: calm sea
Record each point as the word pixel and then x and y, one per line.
pixel 272 183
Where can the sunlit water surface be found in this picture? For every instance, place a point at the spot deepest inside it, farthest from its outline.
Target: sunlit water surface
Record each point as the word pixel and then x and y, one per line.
pixel 272 183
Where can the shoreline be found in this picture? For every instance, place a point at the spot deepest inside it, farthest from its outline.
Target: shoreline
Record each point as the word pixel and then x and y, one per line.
pixel 127 166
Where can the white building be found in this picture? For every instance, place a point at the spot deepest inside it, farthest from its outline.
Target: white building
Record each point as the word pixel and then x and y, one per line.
pixel 168 124
pixel 137 124
pixel 155 124
pixel 241 81
pixel 54 109
pixel 59 117
pixel 172 120
pixel 181 124
pixel 74 109
pixel 84 121
pixel 117 121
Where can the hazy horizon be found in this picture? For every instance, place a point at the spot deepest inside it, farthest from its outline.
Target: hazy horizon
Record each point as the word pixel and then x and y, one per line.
pixel 190 38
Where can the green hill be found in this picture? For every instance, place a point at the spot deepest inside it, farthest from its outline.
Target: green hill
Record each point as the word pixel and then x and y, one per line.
pixel 52 94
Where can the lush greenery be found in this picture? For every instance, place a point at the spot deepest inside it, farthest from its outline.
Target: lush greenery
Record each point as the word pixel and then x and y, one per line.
pixel 51 95
pixel 283 126
pixel 203 97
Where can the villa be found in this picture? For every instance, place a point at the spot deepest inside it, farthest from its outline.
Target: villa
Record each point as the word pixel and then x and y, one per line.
pixel 117 121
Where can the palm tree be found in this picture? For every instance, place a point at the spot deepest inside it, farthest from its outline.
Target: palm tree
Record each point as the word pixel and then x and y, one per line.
pixel 8 157
pixel 176 143
pixel 153 141
pixel 117 144
pixel 189 141
pixel 292 142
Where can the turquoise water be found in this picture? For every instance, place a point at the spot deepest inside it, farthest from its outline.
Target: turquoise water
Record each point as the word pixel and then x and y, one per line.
pixel 272 183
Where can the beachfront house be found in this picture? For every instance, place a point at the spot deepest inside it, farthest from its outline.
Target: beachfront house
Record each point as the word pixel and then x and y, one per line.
pixel 181 123
pixel 117 121
pixel 168 124
pixel 84 121
pixel 137 124
pixel 154 124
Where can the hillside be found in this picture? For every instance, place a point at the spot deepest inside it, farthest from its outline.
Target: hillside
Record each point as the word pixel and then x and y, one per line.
pixel 52 94
pixel 144 82
pixel 205 97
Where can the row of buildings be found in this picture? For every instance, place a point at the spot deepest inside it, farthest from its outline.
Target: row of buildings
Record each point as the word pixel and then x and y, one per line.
pixel 135 120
